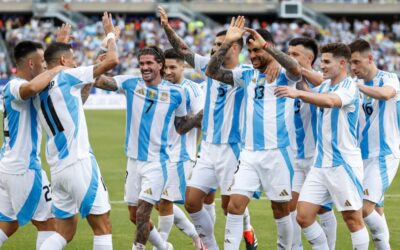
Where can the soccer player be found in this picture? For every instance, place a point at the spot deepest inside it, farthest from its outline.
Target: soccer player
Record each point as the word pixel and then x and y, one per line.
pixel 219 153
pixel 25 193
pixel 182 154
pixel 305 51
pixel 378 134
pixel 265 163
pixel 337 173
pixel 153 105
pixel 76 179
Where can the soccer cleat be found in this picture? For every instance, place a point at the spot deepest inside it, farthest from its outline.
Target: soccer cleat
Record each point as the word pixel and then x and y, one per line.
pixel 169 246
pixel 250 239
pixel 198 244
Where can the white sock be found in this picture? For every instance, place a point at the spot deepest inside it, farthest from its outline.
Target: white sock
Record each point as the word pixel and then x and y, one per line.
pixel 285 232
pixel 329 225
pixel 296 243
pixel 376 224
pixel 102 242
pixel 138 246
pixel 156 240
pixel 210 208
pixel 41 237
pixel 386 227
pixel 54 242
pixel 316 236
pixel 3 237
pixel 246 220
pixel 183 223
pixel 360 239
pixel 165 224
pixel 205 228
pixel 233 231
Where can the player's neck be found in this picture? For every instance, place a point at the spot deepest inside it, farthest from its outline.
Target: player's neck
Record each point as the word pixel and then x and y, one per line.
pixel 154 82
pixel 339 78
pixel 372 73
pixel 230 63
pixel 24 74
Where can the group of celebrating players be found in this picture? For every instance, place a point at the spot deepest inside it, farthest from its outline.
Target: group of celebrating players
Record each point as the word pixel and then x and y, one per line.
pixel 309 140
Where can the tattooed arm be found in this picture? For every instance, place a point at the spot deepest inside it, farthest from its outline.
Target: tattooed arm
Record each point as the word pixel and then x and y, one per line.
pixel 186 123
pixel 143 224
pixel 214 69
pixel 176 42
pixel 85 92
pixel 106 83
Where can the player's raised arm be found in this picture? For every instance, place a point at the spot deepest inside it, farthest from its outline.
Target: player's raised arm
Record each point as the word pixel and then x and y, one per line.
pixel 176 42
pixel 291 65
pixel 186 123
pixel 64 33
pixel 37 84
pixel 106 83
pixel 214 68
pixel 111 57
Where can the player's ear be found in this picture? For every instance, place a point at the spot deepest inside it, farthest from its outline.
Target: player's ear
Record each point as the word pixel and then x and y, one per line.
pixel 62 60
pixel 30 63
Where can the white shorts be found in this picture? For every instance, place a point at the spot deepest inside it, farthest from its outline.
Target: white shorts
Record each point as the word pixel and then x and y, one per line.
pixel 215 167
pixel 301 169
pixel 178 173
pixel 79 188
pixel 145 180
pixel 25 197
pixel 269 170
pixel 378 175
pixel 341 184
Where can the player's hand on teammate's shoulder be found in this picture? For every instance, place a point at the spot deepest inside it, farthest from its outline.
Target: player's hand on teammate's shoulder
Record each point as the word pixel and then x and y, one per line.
pixel 272 71
pixel 284 91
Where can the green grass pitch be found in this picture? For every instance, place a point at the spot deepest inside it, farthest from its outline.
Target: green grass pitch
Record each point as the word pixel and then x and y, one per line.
pixel 106 131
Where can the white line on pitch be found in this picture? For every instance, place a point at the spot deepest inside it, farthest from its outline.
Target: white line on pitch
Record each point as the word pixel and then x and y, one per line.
pixel 394 196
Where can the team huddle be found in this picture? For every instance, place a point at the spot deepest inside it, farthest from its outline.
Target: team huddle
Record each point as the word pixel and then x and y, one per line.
pixel 309 140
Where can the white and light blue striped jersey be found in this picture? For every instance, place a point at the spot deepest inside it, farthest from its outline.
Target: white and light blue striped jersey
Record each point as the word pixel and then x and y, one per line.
pixel 266 117
pixel 337 127
pixel 61 114
pixel 183 147
pixel 21 132
pixel 151 111
pixel 304 135
pixel 222 114
pixel 379 131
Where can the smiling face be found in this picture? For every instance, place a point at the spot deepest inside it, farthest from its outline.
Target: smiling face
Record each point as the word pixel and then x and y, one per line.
pixel 150 68
pixel 361 64
pixel 331 66
pixel 258 57
pixel 174 70
pixel 301 54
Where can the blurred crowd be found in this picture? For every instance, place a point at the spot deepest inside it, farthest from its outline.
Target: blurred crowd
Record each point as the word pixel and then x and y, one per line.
pixel 141 32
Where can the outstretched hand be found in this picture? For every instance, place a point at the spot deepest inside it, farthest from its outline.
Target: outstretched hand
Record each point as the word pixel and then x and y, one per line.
pixel 108 25
pixel 236 29
pixel 163 16
pixel 64 33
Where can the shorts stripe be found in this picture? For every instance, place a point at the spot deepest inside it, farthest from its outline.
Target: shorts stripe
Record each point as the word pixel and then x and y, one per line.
pixel 182 180
pixel 384 174
pixel 29 208
pixel 353 177
pixel 164 171
pixel 60 214
pixel 5 218
pixel 90 195
pixel 285 155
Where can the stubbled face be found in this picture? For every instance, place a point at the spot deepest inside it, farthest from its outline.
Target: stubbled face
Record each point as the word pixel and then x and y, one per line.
pixel 258 57
pixel 69 59
pixel 331 66
pixel 149 68
pixel 360 64
pixel 37 62
pixel 174 70
pixel 217 44
pixel 302 55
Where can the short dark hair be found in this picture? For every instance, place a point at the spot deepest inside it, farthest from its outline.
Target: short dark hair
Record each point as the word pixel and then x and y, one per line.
pixel 307 43
pixel 223 33
pixel 337 50
pixel 359 45
pixel 24 48
pixel 156 52
pixel 264 33
pixel 173 54
pixel 55 50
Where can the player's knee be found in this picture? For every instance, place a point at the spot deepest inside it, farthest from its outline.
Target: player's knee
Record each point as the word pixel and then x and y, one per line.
pixel 165 207
pixel 235 207
pixel 280 209
pixel 192 205
pixel 47 225
pixel 304 219
pixel 354 223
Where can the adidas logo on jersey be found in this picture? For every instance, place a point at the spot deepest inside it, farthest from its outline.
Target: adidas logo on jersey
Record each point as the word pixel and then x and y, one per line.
pixel 148 191
pixel 165 193
pixel 347 203
pixel 284 193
